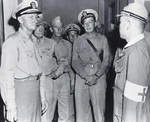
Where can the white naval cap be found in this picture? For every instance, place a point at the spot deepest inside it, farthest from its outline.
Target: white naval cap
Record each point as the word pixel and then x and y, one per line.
pixel 72 27
pixel 136 11
pixel 86 14
pixel 26 7
pixel 57 21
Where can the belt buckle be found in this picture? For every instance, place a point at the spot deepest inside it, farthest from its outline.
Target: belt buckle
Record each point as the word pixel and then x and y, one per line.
pixel 92 65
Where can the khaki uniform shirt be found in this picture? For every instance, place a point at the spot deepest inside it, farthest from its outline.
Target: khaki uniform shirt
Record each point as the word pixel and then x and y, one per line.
pixel 46 50
pixel 20 59
pixel 85 60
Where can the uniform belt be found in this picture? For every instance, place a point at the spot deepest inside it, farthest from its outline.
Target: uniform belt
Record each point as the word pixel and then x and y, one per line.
pixel 29 78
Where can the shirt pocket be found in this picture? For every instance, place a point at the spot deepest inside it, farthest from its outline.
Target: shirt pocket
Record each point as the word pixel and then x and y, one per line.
pixel 84 55
pixel 47 52
pixel 26 54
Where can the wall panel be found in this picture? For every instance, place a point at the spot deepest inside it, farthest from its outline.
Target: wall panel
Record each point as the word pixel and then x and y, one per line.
pixel 69 9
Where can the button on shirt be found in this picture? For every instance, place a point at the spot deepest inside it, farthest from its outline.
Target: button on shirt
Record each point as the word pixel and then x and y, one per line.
pixel 20 59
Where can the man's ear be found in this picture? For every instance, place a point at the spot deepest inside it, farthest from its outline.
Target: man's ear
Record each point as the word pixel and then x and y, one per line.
pixel 51 29
pixel 128 24
pixel 20 19
pixel 67 37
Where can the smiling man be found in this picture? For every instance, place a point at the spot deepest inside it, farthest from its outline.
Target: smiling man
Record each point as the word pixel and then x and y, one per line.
pixel 90 62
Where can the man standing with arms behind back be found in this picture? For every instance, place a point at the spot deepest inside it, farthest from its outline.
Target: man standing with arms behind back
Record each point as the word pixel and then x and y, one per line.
pixel 90 62
pixel 22 78
pixel 131 90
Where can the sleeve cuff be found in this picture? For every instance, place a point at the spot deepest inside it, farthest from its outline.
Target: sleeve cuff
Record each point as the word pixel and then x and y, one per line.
pixel 10 104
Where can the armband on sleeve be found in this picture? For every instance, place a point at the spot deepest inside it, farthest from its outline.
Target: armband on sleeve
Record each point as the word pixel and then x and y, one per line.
pixel 135 92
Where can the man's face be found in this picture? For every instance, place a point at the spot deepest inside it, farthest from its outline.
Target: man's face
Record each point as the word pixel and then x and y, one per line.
pixel 39 32
pixel 122 27
pixel 57 30
pixel 72 35
pixel 29 21
pixel 89 24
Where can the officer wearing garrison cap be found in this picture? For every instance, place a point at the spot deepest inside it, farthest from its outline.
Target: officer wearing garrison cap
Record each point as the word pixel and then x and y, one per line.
pixel 22 78
pixel 131 90
pixel 90 62
pixel 63 73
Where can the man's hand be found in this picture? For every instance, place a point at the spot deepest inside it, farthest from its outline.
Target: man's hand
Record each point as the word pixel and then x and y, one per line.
pixel 91 80
pixel 44 106
pixel 12 115
pixel 52 74
pixel 56 74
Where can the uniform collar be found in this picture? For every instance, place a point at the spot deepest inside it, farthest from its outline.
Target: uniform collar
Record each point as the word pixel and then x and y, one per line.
pixel 91 35
pixel 56 39
pixel 24 36
pixel 134 40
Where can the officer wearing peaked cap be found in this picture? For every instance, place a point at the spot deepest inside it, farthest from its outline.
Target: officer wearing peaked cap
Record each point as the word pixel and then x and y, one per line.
pixel 26 7
pixel 72 31
pixel 63 74
pixel 90 62
pixel 131 90
pixel 22 76
pixel 86 14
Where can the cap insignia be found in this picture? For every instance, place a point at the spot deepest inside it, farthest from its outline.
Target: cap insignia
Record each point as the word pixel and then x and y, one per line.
pixel 33 5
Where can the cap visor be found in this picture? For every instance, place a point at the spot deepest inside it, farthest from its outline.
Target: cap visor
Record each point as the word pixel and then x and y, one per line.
pixel 40 23
pixel 118 15
pixel 33 11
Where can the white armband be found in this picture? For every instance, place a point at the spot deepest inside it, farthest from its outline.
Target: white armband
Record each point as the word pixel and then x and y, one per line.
pixel 135 92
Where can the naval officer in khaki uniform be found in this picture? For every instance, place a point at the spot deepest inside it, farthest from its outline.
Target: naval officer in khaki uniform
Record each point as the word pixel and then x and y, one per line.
pixel 22 79
pixel 72 31
pixel 90 62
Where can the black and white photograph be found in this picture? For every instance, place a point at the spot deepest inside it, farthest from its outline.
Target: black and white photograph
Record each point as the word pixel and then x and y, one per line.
pixel 74 60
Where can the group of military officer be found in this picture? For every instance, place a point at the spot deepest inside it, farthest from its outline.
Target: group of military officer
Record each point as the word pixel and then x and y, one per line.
pixel 37 72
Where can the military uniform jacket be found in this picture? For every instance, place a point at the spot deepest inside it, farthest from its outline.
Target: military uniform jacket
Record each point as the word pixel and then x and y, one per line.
pixel 131 83
pixel 85 60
